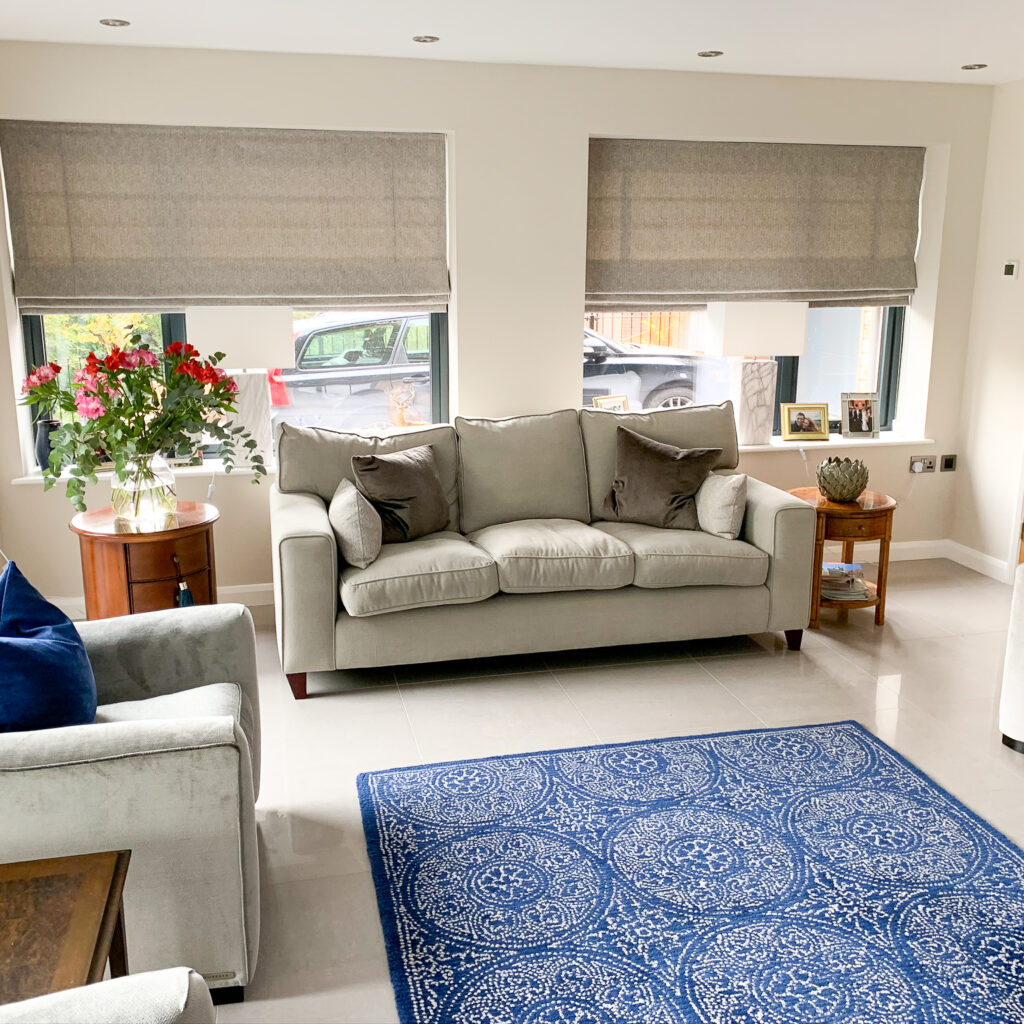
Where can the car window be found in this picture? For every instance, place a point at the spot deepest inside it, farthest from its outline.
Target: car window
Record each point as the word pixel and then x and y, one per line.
pixel 355 345
pixel 417 340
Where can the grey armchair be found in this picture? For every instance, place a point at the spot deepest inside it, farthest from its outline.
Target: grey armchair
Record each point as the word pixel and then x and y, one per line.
pixel 169 770
pixel 174 996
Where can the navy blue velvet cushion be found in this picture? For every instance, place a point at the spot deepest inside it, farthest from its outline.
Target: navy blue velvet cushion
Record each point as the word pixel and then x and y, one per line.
pixel 45 676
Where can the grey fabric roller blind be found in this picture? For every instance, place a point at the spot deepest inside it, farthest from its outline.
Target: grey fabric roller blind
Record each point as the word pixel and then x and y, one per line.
pixel 674 225
pixel 110 217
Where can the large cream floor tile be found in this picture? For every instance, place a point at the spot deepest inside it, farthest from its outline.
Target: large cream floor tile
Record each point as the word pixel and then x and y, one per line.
pixel 800 689
pixel 497 715
pixel 322 956
pixel 651 700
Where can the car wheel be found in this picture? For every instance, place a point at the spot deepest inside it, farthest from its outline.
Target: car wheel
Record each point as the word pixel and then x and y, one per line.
pixel 677 397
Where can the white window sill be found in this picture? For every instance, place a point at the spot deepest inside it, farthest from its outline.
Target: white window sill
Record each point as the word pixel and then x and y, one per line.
pixel 210 467
pixel 836 442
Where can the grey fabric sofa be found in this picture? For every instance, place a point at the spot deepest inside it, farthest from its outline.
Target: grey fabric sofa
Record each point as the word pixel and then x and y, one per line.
pixel 177 995
pixel 526 563
pixel 170 770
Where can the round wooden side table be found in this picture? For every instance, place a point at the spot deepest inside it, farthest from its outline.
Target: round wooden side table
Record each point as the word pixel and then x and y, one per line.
pixel 128 568
pixel 867 518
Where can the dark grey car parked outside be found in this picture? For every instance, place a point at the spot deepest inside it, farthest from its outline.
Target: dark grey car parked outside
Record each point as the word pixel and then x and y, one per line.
pixel 354 371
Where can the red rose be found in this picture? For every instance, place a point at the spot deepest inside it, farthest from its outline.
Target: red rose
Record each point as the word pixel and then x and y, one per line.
pixel 189 368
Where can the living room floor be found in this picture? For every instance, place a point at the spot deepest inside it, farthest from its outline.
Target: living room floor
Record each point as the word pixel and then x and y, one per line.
pixel 927 683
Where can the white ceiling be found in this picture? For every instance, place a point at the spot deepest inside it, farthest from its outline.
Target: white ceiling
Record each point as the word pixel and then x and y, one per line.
pixel 914 40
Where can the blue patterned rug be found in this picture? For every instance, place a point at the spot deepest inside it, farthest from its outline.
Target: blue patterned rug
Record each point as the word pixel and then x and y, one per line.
pixel 784 876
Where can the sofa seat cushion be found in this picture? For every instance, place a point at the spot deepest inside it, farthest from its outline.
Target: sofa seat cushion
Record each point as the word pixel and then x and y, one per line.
pixel 216 699
pixel 440 568
pixel 555 554
pixel 688 558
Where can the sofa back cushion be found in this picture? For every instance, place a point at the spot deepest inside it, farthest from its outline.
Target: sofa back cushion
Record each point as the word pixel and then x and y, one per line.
pixel 699 426
pixel 315 461
pixel 523 467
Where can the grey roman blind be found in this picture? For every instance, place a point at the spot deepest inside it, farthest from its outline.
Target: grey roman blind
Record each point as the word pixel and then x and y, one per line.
pixel 107 216
pixel 674 225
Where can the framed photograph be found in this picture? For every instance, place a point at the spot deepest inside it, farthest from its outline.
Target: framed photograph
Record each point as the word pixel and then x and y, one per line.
pixel 860 414
pixel 613 403
pixel 804 421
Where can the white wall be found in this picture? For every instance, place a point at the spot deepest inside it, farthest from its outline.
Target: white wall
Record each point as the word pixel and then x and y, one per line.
pixel 518 174
pixel 988 507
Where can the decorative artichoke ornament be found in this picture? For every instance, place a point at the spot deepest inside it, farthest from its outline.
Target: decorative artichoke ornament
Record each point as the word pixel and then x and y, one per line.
pixel 842 479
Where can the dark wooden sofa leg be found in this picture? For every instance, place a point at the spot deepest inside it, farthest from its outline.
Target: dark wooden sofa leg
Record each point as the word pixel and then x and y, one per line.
pixel 793 639
pixel 297 681
pixel 224 996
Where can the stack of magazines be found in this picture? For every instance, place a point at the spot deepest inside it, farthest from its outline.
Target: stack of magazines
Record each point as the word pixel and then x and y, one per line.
pixel 843 581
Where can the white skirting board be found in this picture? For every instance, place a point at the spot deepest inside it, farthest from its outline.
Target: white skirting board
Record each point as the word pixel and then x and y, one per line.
pixel 910 550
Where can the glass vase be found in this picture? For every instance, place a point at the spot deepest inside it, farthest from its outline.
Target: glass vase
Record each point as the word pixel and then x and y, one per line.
pixel 143 494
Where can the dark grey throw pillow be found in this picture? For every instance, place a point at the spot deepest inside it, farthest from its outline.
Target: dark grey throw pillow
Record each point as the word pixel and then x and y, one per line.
pixel 405 490
pixel 655 482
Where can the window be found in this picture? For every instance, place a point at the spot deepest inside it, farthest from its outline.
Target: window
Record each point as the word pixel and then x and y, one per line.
pixel 363 371
pixel 848 349
pixel 657 359
pixel 67 338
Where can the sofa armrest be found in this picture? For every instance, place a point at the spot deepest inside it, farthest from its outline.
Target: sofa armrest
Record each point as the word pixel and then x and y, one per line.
pixel 305 560
pixel 174 996
pixel 783 527
pixel 178 794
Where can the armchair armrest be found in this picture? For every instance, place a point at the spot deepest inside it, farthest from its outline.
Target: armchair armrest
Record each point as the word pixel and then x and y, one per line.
pixel 153 653
pixel 178 793
pixel 783 527
pixel 175 996
pixel 305 558
pixel 105 741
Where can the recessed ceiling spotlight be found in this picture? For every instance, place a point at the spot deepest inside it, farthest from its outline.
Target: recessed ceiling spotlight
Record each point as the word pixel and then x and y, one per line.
pixel 426 39
pixel 114 22
pixel 710 53
pixel 972 67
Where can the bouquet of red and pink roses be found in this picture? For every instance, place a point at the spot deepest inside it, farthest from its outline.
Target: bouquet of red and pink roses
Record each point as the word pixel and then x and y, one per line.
pixel 133 404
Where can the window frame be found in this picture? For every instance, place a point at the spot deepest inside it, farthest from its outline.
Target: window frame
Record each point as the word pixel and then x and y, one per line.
pixel 887 386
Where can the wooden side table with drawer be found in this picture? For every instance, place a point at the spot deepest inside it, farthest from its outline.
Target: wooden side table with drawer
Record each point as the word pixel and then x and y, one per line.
pixel 131 569
pixel 867 518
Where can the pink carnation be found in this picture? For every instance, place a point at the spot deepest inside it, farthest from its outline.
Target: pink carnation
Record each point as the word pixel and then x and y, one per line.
pixel 45 373
pixel 137 357
pixel 31 381
pixel 89 406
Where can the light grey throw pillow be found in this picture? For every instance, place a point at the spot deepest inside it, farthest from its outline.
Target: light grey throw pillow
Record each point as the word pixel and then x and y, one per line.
pixel 356 525
pixel 721 504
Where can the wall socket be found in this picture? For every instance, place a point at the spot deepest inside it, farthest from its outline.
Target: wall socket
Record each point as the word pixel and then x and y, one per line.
pixel 922 463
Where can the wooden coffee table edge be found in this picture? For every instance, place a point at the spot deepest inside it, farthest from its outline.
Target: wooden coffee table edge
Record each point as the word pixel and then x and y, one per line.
pixel 110 940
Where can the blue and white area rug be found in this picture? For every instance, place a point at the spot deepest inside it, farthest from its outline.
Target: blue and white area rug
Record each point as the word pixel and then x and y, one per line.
pixel 784 876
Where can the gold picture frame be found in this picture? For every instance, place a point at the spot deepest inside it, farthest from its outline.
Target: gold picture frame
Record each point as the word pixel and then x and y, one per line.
pixel 804 421
pixel 612 403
